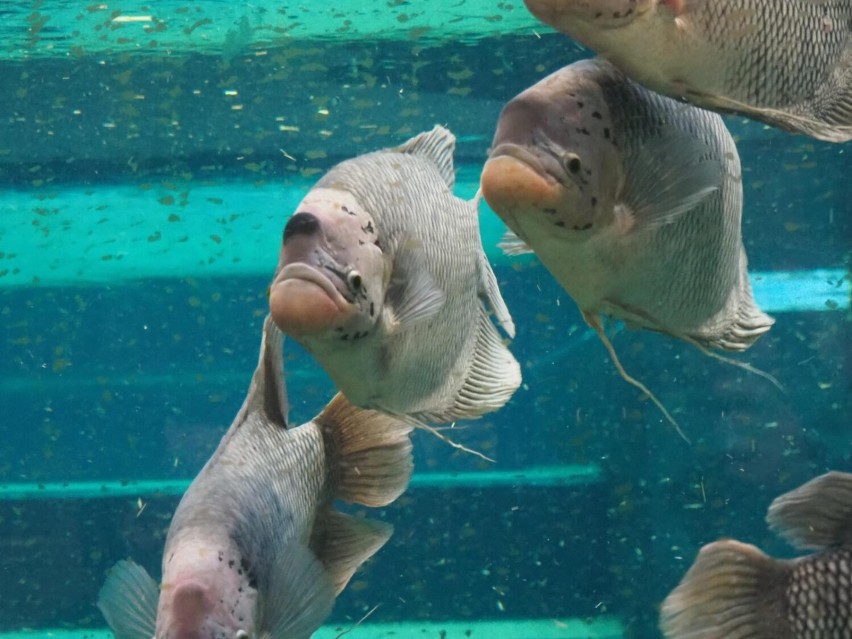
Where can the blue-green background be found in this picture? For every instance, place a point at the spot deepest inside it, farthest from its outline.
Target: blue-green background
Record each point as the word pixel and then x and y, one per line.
pixel 147 169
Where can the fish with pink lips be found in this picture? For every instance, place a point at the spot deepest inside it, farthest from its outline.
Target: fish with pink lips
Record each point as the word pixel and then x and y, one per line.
pixel 255 549
pixel 383 279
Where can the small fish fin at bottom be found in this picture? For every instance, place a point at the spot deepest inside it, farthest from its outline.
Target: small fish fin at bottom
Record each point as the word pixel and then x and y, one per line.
pixel 669 176
pixel 512 245
pixel 437 146
pixel 342 543
pixel 493 377
pixel 128 601
pixel 493 297
pixel 816 515
pixel 299 595
pixel 371 452
pixel 413 296
pixel 732 590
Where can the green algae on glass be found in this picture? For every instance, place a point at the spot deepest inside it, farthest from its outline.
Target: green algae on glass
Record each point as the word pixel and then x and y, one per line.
pixel 57 29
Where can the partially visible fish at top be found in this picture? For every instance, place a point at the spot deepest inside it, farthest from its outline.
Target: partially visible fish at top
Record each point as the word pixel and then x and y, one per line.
pixel 255 549
pixel 785 62
pixel 735 591
pixel 633 202
pixel 383 279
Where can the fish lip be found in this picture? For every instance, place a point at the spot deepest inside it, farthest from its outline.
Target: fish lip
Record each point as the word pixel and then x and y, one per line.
pixel 308 273
pixel 547 166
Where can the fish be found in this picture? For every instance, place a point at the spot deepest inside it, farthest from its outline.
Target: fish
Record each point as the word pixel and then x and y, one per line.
pixel 255 548
pixel 787 63
pixel 633 202
pixel 383 279
pixel 735 591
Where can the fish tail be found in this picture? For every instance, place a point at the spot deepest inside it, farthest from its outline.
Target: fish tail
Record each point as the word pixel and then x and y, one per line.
pixel 816 515
pixel 594 322
pixel 369 452
pixel 732 591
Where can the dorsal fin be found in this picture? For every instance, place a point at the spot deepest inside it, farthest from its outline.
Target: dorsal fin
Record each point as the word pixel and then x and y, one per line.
pixel 267 392
pixel 816 515
pixel 437 146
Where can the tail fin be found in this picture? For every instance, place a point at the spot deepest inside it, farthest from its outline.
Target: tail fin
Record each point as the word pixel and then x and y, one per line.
pixel 369 452
pixel 732 591
pixel 816 515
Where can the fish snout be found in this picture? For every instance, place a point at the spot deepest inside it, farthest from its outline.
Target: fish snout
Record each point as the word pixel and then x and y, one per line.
pixel 303 223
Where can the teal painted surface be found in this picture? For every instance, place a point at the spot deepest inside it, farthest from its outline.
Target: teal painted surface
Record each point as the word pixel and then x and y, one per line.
pixel 538 477
pixel 604 628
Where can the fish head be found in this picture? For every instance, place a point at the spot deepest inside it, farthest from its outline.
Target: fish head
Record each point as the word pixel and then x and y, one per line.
pixel 604 14
pixel 553 162
pixel 332 273
pixel 205 597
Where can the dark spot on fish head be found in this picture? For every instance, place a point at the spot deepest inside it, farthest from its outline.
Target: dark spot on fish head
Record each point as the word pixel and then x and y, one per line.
pixel 303 223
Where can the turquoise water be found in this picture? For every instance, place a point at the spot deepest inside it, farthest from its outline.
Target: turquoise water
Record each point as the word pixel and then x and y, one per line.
pixel 150 155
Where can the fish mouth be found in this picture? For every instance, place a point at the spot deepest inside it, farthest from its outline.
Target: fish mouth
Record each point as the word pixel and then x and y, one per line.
pixel 304 301
pixel 545 165
pixel 516 182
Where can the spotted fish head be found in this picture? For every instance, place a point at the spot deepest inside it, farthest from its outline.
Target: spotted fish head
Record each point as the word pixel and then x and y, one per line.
pixel 602 13
pixel 211 603
pixel 332 273
pixel 553 160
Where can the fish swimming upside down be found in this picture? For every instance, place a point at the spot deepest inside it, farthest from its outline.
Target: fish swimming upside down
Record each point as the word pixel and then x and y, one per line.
pixel 734 591
pixel 785 62
pixel 383 279
pixel 255 548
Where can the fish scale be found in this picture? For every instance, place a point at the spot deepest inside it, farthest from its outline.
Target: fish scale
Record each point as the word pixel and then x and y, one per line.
pixel 785 62
pixel 761 72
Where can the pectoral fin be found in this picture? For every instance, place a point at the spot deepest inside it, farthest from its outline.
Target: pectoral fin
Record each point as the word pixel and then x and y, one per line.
pixel 128 601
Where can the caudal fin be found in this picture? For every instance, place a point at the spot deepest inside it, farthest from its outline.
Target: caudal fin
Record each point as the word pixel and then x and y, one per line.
pixel 732 591
pixel 128 601
pixel 816 515
pixel 369 453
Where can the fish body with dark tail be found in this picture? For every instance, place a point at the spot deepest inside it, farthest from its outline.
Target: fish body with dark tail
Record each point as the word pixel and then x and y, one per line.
pixel 383 279
pixel 632 201
pixel 255 548
pixel 735 591
pixel 785 62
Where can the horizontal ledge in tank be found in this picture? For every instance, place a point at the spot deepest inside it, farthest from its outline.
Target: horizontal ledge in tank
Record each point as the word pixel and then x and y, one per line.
pixel 601 628
pixel 540 476
pixel 60 28
pixel 108 234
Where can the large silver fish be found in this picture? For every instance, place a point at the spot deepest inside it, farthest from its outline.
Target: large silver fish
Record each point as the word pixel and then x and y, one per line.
pixel 633 202
pixel 734 591
pixel 383 279
pixel 255 548
pixel 785 62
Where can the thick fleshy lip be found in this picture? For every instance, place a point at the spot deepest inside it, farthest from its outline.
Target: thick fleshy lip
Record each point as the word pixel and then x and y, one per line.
pixel 302 271
pixel 547 166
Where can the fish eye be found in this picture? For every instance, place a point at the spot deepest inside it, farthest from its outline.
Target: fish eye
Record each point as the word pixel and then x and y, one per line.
pixel 241 634
pixel 354 280
pixel 572 162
